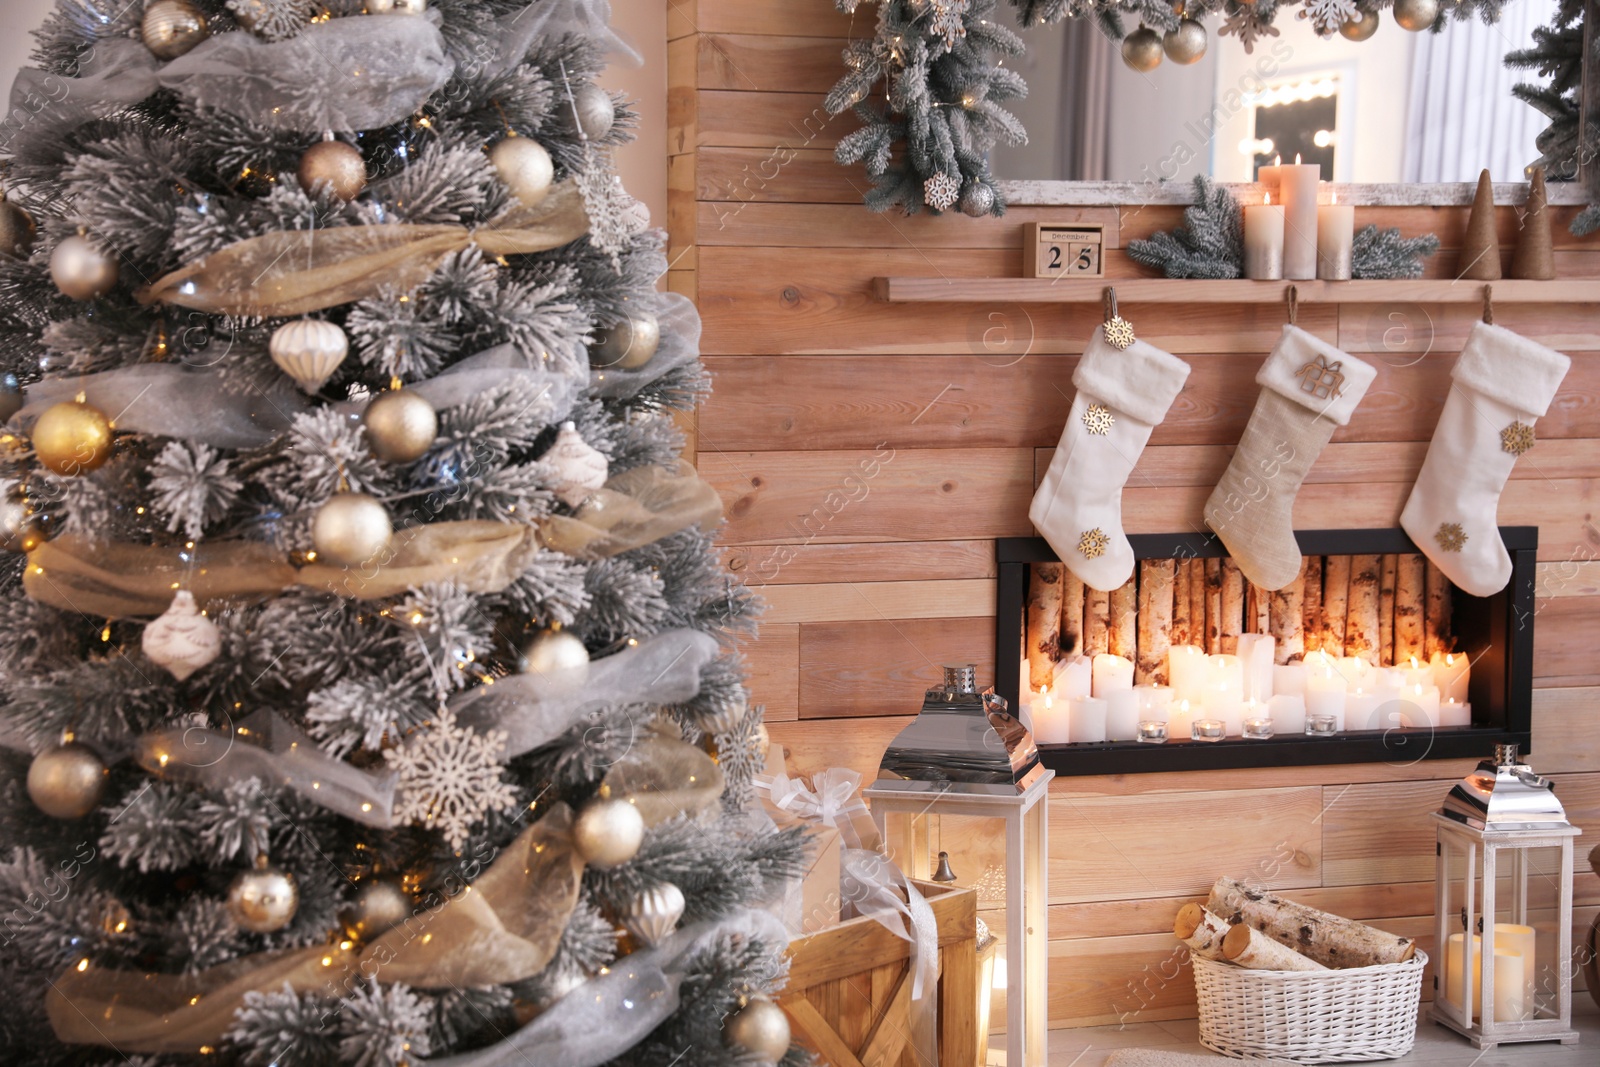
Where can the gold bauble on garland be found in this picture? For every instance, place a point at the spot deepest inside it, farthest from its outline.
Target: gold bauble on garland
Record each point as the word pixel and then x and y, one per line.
pixel 588 114
pixel 628 344
pixel 1360 27
pixel 1416 15
pixel 401 425
pixel 264 899
pixel 1141 49
pixel 17 230
pixel 72 437
pixel 1187 43
pixel 172 27
pixel 350 529
pixel 760 1027
pixel 380 904
pixel 524 166
pixel 608 833
pixel 335 164
pixel 66 782
pixel 80 270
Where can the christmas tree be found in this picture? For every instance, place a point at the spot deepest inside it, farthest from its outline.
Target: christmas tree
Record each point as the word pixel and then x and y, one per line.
pixel 369 692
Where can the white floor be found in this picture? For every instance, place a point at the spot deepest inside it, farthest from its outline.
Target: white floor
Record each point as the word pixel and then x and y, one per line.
pixel 1435 1047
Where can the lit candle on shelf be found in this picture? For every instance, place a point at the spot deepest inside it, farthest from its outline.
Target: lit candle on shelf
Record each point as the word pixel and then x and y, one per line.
pixel 1361 711
pixel 1122 715
pixel 1088 715
pixel 1451 673
pixel 1072 678
pixel 1510 979
pixel 1319 658
pixel 1425 699
pixel 1187 668
pixel 1325 696
pixel 1155 702
pixel 1050 726
pixel 1289 678
pixel 1256 652
pixel 1455 713
pixel 1224 693
pixel 1180 721
pixel 1389 682
pixel 1288 713
pixel 1419 673
pixel 1297 188
pixel 1356 671
pixel 1263 240
pixel 1111 673
pixel 1336 227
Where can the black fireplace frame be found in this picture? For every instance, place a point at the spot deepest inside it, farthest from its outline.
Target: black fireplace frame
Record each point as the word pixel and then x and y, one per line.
pixel 1497 631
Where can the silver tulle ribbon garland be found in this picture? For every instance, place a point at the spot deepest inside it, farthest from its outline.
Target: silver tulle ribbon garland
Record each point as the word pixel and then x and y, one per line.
pixel 680 346
pixel 590 19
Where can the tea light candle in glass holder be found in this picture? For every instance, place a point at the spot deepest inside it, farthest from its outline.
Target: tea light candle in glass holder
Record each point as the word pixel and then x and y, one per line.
pixel 1208 730
pixel 1153 732
pixel 1258 729
pixel 1321 726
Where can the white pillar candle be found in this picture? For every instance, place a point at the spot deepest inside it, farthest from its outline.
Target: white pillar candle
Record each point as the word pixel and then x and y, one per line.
pixel 1224 693
pixel 1088 719
pixel 1451 673
pixel 1425 698
pixel 1187 668
pixel 1336 227
pixel 1050 723
pixel 1318 659
pixel 1389 682
pixel 1122 715
pixel 1510 978
pixel 1155 702
pixel 1288 712
pixel 1325 694
pixel 1513 937
pixel 1289 678
pixel 1455 713
pixel 1361 711
pixel 1227 671
pixel 1180 720
pixel 1357 672
pixel 1263 240
pixel 1072 678
pixel 1256 652
pixel 1418 673
pixel 1110 673
pixel 1297 188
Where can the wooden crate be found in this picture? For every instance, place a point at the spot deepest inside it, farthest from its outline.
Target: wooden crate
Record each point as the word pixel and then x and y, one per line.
pixel 849 992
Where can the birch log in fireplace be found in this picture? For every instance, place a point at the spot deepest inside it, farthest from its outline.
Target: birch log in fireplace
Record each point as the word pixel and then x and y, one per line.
pixel 1366 605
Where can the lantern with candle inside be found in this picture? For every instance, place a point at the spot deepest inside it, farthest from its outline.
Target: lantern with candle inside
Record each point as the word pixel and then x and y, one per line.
pixel 1503 906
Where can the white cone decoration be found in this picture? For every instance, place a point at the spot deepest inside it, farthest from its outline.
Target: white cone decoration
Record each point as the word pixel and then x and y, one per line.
pixel 654 913
pixel 309 351
pixel 182 640
pixel 578 469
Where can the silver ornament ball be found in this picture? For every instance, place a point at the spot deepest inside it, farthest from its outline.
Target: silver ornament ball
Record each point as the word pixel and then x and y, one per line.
pixel 558 658
pixel 350 529
pixel 1362 26
pixel 589 113
pixel 396 7
pixel 1416 15
pixel 1141 49
pixel 66 782
pixel 80 270
pixel 172 27
pixel 524 166
pixel 263 899
pixel 608 833
pixel 19 530
pixel 401 425
pixel 759 1027
pixel 977 199
pixel 628 344
pixel 1187 43
pixel 380 905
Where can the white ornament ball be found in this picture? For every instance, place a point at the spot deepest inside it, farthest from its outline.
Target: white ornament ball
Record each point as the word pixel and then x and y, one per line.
pixel 182 640
pixel 401 425
pixel 309 351
pixel 628 344
pixel 80 270
pixel 1187 43
pixel 1416 15
pixel 608 833
pixel 525 167
pixel 759 1027
pixel 66 782
pixel 350 529
pixel 589 113
pixel 654 913
pixel 577 469
pixel 559 659
pixel 264 899
pixel 396 7
pixel 1141 49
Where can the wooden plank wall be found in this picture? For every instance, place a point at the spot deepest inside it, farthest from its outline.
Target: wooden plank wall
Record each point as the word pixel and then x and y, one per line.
pixel 868 454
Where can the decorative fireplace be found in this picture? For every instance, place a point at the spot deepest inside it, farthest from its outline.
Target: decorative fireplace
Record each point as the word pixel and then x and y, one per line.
pixel 1492 635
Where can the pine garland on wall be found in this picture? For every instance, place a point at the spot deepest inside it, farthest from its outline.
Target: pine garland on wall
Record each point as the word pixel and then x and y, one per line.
pixel 1557 56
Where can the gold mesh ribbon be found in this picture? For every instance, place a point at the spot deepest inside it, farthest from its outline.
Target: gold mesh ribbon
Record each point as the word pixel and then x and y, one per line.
pixel 294 272
pixel 635 508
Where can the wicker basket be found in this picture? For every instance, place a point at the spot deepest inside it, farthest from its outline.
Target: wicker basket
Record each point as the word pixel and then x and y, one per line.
pixel 1363 1013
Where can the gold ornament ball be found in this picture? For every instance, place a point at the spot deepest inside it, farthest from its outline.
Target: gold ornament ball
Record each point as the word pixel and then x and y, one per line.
pixel 65 782
pixel 264 899
pixel 350 529
pixel 72 438
pixel 558 658
pixel 401 425
pixel 760 1027
pixel 80 270
pixel 629 344
pixel 396 7
pixel 1187 43
pixel 524 166
pixel 17 230
pixel 589 113
pixel 381 904
pixel 1141 49
pixel 172 27
pixel 335 163
pixel 1416 15
pixel 608 833
pixel 1363 26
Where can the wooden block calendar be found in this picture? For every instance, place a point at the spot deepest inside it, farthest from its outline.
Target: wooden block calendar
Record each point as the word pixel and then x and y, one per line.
pixel 1063 251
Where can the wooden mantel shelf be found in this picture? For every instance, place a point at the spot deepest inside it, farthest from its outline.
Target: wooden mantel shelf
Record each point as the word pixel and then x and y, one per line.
pixel 1187 291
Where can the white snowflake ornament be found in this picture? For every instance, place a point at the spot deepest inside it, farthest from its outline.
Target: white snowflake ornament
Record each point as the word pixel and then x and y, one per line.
pixel 949 21
pixel 1246 25
pixel 450 777
pixel 182 640
pixel 941 191
pixel 1328 15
